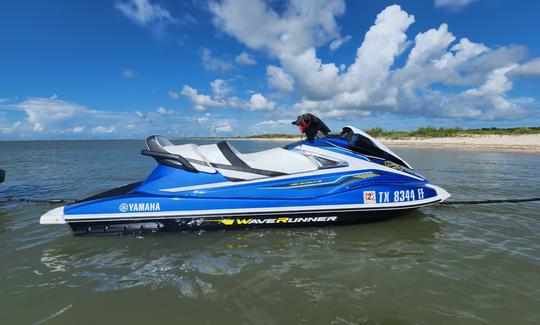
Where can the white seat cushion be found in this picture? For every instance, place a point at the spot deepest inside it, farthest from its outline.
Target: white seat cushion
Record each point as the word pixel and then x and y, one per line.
pixel 212 153
pixel 274 160
pixel 279 160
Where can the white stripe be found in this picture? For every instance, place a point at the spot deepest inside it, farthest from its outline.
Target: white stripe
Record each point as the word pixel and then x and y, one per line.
pixel 308 208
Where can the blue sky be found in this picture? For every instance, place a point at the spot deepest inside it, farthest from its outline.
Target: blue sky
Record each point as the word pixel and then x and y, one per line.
pixel 130 68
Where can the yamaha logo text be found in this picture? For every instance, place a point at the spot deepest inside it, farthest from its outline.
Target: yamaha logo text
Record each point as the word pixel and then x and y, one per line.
pixel 139 207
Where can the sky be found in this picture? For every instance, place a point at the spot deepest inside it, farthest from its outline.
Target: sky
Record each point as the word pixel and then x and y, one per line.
pixel 132 68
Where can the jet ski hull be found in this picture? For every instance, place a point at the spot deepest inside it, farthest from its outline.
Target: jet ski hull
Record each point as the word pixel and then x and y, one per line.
pixel 123 211
pixel 329 181
pixel 335 198
pixel 232 222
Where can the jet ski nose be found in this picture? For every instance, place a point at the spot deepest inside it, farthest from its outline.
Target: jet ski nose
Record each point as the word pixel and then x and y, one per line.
pixel 53 217
pixel 441 192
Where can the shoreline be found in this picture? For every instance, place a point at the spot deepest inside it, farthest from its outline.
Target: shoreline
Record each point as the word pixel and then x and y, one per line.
pixel 529 143
pixel 525 143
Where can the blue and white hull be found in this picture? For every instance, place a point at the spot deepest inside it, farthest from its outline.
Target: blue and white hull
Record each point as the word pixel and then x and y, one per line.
pixel 314 183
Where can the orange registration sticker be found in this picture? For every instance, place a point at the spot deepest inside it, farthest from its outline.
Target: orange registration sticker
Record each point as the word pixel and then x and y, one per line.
pixel 369 197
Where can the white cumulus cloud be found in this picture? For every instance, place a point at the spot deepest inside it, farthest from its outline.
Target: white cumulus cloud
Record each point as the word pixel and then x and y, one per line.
pixel 200 102
pixel 164 111
pixel 143 12
pixel 303 24
pixel 245 59
pixel 55 118
pixel 213 63
pixel 42 112
pixel 173 95
pixel 443 75
pixel 77 129
pixel 279 79
pixel 530 69
pixel 220 97
pixel 222 127
pixel 453 4
pixel 259 102
pixel 103 129
pixel 220 88
pixel 336 44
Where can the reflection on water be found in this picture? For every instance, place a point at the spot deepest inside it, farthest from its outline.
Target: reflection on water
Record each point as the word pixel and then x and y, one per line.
pixel 472 264
pixel 194 257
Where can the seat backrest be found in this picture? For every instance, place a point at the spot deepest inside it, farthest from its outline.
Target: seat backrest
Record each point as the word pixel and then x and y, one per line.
pixel 191 153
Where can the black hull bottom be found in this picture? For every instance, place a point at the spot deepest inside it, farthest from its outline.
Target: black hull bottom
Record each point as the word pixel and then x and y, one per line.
pixel 311 219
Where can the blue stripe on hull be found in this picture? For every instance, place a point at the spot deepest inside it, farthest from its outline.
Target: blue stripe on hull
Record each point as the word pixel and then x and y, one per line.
pixel 137 203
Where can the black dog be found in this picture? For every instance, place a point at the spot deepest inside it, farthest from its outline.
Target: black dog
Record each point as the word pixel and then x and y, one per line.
pixel 310 125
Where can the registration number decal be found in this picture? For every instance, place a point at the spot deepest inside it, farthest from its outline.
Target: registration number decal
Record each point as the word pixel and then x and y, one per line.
pixel 393 196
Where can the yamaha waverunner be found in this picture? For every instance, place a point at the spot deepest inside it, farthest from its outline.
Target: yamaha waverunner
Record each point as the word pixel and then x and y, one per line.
pixel 323 180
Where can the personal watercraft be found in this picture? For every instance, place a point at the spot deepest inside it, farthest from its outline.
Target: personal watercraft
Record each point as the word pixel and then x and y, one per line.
pixel 323 180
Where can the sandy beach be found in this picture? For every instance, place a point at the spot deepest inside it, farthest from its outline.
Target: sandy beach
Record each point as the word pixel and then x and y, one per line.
pixel 496 143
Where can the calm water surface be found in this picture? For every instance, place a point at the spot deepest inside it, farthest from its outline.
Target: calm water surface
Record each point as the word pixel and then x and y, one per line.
pixel 440 265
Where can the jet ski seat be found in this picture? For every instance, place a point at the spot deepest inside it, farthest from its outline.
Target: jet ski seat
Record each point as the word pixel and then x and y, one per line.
pixel 228 161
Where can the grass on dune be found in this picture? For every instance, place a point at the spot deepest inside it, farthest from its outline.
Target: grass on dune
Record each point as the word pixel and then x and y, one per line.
pixel 423 132
pixel 431 132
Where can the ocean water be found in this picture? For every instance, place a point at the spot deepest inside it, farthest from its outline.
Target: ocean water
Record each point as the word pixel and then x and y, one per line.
pixel 468 264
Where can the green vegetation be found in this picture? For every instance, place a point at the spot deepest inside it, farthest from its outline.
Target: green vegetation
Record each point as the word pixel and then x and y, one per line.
pixel 431 132
pixel 423 132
